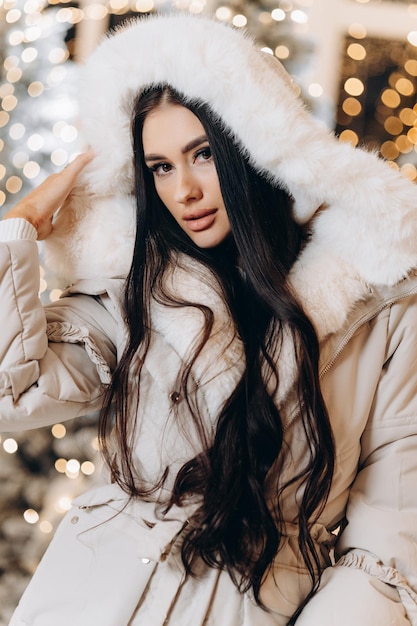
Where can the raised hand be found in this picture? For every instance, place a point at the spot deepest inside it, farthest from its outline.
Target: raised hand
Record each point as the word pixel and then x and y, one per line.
pixel 39 206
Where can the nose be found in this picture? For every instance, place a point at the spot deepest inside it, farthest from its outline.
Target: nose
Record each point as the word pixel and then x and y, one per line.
pixel 187 187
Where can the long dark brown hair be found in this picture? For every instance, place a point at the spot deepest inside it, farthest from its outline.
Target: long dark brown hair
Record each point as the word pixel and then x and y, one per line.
pixel 234 527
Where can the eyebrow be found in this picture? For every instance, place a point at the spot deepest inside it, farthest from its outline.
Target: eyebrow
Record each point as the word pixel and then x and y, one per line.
pixel 194 143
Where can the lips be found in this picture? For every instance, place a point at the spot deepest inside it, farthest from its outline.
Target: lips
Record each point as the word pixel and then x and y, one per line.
pixel 200 220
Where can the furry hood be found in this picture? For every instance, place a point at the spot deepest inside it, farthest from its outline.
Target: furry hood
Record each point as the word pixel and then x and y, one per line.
pixel 366 229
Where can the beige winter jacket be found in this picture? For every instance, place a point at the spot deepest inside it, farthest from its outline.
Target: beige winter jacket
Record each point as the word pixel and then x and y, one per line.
pixel 54 367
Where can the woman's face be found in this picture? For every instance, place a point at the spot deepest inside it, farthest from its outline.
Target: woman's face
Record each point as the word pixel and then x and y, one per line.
pixel 178 154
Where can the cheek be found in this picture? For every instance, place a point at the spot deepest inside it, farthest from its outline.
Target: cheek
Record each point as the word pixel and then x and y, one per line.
pixel 164 192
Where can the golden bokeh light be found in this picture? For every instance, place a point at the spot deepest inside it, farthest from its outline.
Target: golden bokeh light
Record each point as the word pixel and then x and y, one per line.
pixel 390 98
pixel 352 106
pixel 393 125
pixel 408 116
pixel 403 144
pixel 349 136
pixel 356 51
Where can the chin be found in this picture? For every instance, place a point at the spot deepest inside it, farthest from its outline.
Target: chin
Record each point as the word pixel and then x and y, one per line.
pixel 210 241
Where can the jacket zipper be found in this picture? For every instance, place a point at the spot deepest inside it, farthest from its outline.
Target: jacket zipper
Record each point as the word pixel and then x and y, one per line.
pixel 360 322
pixel 348 336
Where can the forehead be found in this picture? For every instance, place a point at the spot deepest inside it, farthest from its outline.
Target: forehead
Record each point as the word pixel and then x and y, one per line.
pixel 170 125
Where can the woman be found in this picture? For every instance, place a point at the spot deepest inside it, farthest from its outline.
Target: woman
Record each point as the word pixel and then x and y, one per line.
pixel 257 375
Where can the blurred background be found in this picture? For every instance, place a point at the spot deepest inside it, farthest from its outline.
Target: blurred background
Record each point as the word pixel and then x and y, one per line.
pixel 355 64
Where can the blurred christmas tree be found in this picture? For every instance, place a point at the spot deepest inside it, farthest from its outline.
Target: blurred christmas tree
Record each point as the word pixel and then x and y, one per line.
pixel 42 471
pixel 38 106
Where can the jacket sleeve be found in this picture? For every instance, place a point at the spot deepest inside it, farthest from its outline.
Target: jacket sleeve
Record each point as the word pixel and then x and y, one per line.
pixel 381 533
pixel 54 361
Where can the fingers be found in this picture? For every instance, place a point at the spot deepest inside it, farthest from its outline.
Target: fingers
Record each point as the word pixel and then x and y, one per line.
pixel 39 206
pixel 73 169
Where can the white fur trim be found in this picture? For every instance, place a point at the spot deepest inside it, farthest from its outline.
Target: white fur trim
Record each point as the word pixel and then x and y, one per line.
pixel 366 234
pixel 93 237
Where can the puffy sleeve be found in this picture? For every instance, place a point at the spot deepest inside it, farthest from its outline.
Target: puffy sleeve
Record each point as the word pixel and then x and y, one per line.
pixel 56 360
pixel 381 533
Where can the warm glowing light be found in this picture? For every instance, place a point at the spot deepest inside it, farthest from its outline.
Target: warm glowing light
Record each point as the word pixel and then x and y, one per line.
pixel 20 159
pixel 404 86
pixel 46 527
pixel 59 156
pixel 224 14
pixel 55 294
pixel 196 6
pixel 358 31
pixel 35 142
pixel 33 33
pixel 6 89
pixel 393 125
pixel 58 55
pixel 389 150
pixel 16 37
pixel 61 465
pixel 349 136
pixel 63 505
pixel 412 136
pixel 390 98
pixel 282 52
pixel 315 90
pixel 72 15
pixel 300 17
pixel 409 171
pixel 2 171
pixel 403 144
pixel 407 116
pixel 239 21
pixel 356 51
pixel 58 127
pixel 351 106
pixel 31 516
pixel 69 133
pixel 4 118
pixel 59 431
pixel 2 201
pixel 31 169
pixel 410 67
pixel 10 446
pixel 13 16
pixel 32 6
pixel 14 184
pixel 88 468
pixel 278 15
pixel 412 38
pixel 354 86
pixel 73 465
pixel 98 11
pixel 264 17
pixel 9 103
pixel 10 62
pixel 118 5
pixel 14 75
pixel 73 468
pixel 29 55
pixel 36 88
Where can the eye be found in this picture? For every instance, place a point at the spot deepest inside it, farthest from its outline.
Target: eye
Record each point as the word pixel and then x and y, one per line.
pixel 204 154
pixel 160 169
